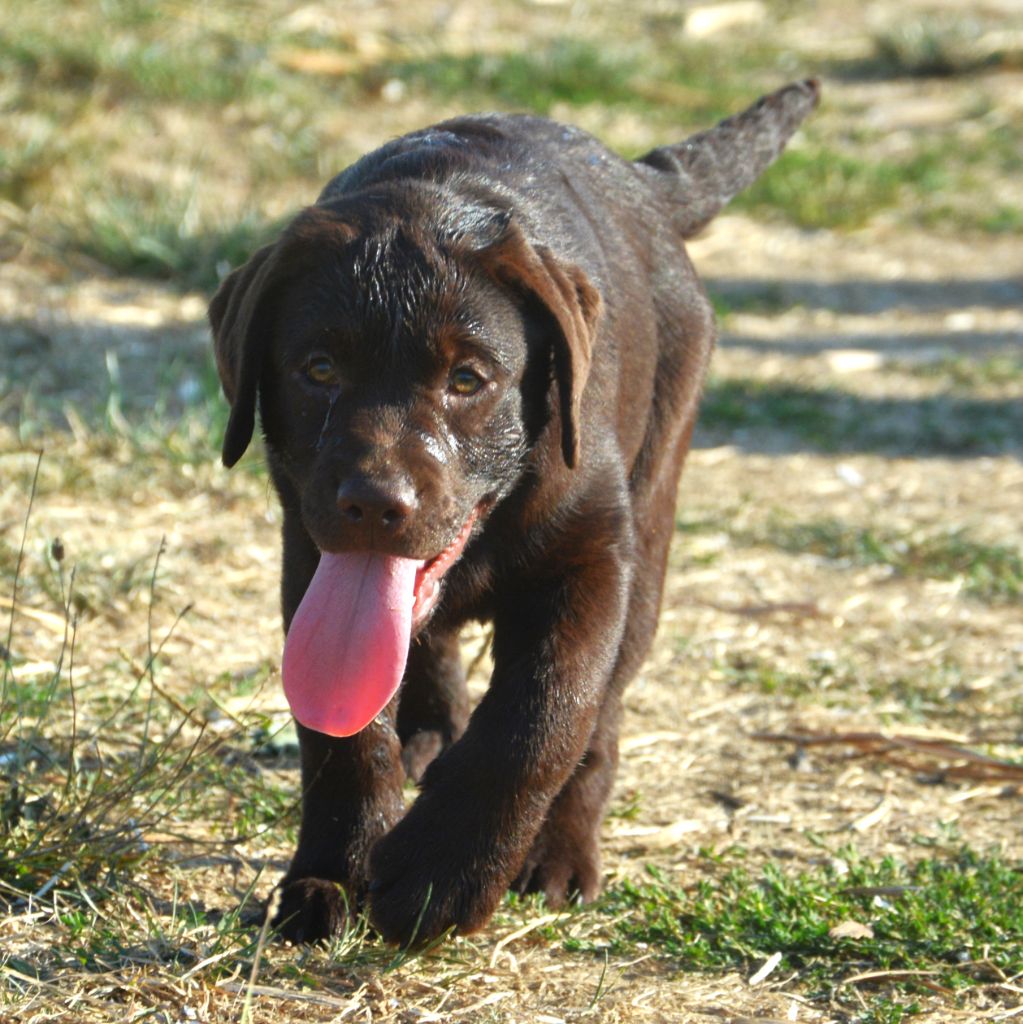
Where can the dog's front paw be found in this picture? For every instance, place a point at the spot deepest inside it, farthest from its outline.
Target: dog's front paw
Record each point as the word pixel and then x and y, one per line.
pixel 427 877
pixel 310 910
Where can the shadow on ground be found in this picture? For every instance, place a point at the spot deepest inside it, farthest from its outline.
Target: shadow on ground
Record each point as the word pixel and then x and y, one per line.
pixel 774 418
pixel 868 295
pixel 95 366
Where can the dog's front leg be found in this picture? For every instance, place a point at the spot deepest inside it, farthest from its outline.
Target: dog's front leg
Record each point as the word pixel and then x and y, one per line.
pixel 448 862
pixel 351 792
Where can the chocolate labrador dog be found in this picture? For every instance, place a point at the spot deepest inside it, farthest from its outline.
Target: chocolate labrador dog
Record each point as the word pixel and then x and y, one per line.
pixel 477 360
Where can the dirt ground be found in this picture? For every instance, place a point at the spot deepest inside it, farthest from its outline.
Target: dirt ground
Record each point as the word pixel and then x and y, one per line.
pixel 757 642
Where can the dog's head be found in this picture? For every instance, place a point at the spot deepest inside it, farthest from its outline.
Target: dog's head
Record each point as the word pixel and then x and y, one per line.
pixel 407 355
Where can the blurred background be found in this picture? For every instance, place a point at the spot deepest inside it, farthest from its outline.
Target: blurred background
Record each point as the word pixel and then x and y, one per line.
pixel 164 139
pixel 163 142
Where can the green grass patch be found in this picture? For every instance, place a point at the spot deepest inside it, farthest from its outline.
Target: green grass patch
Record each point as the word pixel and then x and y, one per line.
pixel 747 674
pixel 773 415
pixel 91 778
pixel 162 239
pixel 820 187
pixel 565 71
pixel 967 373
pixel 991 572
pixel 941 44
pixel 764 298
pixel 31 152
pixel 933 691
pixel 950 919
pixel 832 185
pixel 134 413
pixel 687 86
pixel 1003 219
pixel 165 59
pixel 749 403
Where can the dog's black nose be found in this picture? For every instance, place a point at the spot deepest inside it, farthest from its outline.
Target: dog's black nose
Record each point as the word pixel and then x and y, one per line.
pixel 376 503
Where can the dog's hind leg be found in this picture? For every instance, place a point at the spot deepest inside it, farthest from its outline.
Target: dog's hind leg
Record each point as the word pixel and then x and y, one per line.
pixel 433 706
pixel 565 858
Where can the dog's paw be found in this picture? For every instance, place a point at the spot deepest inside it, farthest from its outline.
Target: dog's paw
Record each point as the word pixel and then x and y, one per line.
pixel 425 879
pixel 310 910
pixel 419 750
pixel 563 868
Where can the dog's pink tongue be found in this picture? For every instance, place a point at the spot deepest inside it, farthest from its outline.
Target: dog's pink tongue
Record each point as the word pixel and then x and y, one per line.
pixel 346 647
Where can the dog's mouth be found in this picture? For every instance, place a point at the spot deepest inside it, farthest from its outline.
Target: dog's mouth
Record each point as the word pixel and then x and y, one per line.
pixel 428 576
pixel 345 652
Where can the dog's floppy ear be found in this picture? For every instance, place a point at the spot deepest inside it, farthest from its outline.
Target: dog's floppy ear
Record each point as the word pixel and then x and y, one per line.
pixel 239 343
pixel 568 296
pixel 240 316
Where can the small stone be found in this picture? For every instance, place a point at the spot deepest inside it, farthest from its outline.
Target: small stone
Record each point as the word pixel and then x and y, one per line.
pixel 712 19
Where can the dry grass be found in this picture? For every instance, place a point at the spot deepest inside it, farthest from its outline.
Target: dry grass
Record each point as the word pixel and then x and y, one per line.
pixel 756 639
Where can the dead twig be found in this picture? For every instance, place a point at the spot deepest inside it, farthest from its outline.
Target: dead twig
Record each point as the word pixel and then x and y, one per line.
pixel 961 761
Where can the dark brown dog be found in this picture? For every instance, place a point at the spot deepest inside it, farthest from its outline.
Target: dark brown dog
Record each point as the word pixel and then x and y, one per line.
pixel 477 360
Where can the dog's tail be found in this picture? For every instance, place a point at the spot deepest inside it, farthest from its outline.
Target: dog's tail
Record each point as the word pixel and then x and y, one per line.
pixel 708 169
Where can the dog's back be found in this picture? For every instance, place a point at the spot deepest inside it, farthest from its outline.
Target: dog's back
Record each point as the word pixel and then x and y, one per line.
pixel 520 157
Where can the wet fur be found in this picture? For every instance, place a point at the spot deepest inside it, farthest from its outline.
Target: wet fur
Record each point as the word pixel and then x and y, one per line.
pixel 562 269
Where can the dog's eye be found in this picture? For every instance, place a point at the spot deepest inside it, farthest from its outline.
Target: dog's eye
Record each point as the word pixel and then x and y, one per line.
pixel 320 369
pixel 464 381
